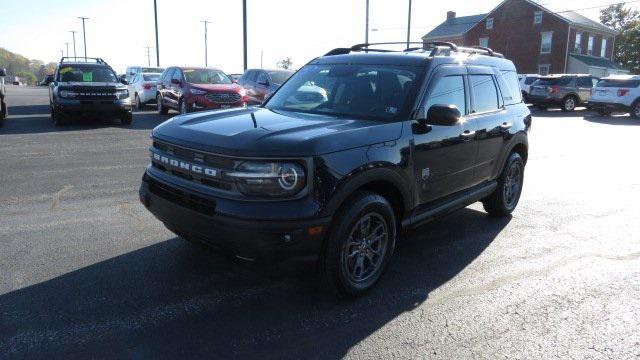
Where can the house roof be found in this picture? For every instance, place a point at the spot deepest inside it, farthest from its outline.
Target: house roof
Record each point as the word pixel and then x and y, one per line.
pixel 460 25
pixel 597 61
pixel 454 27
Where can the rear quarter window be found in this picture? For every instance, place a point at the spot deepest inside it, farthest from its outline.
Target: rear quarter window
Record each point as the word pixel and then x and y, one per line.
pixel 559 81
pixel 510 87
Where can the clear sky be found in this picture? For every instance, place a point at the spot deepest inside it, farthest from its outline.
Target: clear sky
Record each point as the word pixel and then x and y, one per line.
pixel 119 30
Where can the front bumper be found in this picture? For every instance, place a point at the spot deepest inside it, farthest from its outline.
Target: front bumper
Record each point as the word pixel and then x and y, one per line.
pixel 194 215
pixel 93 107
pixel 597 105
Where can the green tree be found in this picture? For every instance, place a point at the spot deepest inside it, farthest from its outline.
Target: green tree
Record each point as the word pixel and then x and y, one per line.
pixel 27 77
pixel 626 22
pixel 285 63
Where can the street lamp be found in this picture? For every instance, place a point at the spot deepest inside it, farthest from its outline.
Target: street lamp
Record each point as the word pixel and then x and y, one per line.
pixel 73 32
pixel 409 26
pixel 205 41
pixel 84 36
pixel 155 14
pixel 67 48
pixel 366 25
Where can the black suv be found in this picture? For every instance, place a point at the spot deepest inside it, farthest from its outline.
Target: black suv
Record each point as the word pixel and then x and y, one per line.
pixel 89 87
pixel 400 139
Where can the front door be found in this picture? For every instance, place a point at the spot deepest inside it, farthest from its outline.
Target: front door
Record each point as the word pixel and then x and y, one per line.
pixel 444 156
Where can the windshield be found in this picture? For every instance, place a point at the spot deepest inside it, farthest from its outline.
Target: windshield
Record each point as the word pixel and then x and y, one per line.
pixel 206 76
pixel 151 70
pixel 86 73
pixel 279 77
pixel 151 77
pixel 560 81
pixel 370 91
pixel 614 83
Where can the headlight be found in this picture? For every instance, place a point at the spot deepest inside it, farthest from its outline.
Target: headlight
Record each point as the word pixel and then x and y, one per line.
pixel 274 179
pixel 122 94
pixel 67 93
pixel 197 92
pixel 243 92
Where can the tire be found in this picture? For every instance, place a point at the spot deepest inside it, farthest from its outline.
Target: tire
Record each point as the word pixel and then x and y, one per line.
pixel 635 110
pixel 603 112
pixel 569 103
pixel 350 264
pixel 162 110
pixel 505 197
pixel 126 119
pixel 183 107
pixel 139 105
pixel 542 107
pixel 57 118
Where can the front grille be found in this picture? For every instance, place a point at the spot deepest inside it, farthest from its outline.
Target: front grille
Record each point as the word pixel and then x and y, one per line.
pixel 224 98
pixel 190 201
pixel 95 93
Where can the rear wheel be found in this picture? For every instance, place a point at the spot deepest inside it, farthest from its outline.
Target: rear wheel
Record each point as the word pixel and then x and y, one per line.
pixel 139 105
pixel 635 110
pixel 569 103
pixel 359 245
pixel 161 109
pixel 506 196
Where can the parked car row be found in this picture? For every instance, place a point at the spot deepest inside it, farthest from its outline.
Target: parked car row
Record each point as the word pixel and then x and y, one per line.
pixel 615 93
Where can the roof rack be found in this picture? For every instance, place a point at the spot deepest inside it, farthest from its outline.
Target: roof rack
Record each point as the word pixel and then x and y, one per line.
pixel 82 59
pixel 436 48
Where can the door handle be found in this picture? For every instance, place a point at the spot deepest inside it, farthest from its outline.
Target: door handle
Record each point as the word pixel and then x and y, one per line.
pixel 505 126
pixel 468 134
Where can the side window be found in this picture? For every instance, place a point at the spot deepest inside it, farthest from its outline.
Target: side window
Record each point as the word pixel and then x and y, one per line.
pixel 594 81
pixel 448 91
pixel 167 75
pixel 177 74
pixel 485 94
pixel 262 77
pixel 585 82
pixel 252 75
pixel 510 87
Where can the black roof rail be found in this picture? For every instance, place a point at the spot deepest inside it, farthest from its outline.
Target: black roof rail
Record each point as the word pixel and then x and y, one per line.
pixel 82 59
pixel 367 48
pixel 436 47
pixel 450 45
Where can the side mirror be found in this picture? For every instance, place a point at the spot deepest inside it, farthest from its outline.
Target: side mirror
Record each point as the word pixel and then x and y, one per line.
pixel 3 72
pixel 175 81
pixel 124 81
pixel 444 115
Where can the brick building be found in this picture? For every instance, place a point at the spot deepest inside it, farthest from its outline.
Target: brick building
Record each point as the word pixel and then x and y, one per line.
pixel 536 39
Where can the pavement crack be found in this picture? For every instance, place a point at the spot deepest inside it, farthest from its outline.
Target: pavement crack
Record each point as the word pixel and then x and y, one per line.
pixel 56 196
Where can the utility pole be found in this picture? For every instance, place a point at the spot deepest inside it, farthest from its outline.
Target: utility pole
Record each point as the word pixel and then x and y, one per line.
pixel 244 31
pixel 155 14
pixel 148 55
pixel 261 57
pixel 61 54
pixel 67 48
pixel 206 51
pixel 366 26
pixel 73 32
pixel 84 36
pixel 409 26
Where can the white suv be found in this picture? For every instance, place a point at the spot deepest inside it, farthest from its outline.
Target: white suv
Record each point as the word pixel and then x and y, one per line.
pixel 525 83
pixel 617 93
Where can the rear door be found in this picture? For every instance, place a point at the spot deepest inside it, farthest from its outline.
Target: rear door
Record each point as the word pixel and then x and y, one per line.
pixel 584 86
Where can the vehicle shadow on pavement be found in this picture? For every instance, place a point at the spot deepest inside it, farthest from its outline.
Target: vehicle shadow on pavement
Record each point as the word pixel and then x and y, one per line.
pixel 616 119
pixel 35 119
pixel 173 299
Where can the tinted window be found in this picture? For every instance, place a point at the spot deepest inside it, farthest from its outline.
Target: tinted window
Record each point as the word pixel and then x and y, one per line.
pixel 350 90
pixel 262 77
pixel 585 82
pixel 86 73
pixel 279 77
pixel 530 80
pixel 619 83
pixel 485 94
pixel 448 91
pixel 151 70
pixel 151 77
pixel 560 81
pixel 177 74
pixel 167 75
pixel 251 75
pixel 510 88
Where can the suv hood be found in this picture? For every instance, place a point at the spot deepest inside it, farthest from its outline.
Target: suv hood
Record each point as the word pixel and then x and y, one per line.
pixel 263 132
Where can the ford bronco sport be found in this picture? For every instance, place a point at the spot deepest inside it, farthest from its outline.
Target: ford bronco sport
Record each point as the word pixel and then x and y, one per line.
pixel 88 86
pixel 401 138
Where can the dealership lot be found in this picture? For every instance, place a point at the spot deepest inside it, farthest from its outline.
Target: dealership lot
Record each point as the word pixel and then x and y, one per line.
pixel 88 271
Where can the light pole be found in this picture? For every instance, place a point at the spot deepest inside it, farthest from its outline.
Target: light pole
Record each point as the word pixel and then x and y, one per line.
pixel 148 55
pixel 61 54
pixel 73 32
pixel 155 14
pixel 206 51
pixel 366 25
pixel 409 26
pixel 244 31
pixel 67 48
pixel 84 36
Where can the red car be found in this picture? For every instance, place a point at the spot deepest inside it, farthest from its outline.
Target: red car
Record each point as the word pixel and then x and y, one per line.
pixel 188 89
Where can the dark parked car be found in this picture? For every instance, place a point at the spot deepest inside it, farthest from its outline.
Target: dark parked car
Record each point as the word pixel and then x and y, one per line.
pixel 188 89
pixel 261 83
pixel 401 138
pixel 235 77
pixel 3 100
pixel 564 91
pixel 88 88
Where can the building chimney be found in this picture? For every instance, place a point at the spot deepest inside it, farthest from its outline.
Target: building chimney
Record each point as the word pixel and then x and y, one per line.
pixel 451 15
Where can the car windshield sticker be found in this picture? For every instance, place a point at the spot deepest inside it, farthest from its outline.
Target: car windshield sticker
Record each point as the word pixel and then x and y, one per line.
pixel 204 77
pixel 391 110
pixel 87 76
pixel 65 70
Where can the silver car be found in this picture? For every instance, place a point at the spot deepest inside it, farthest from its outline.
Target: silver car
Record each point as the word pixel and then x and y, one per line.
pixel 142 89
pixel 565 91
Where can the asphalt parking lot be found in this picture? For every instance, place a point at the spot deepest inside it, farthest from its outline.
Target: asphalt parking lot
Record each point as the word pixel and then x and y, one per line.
pixel 86 271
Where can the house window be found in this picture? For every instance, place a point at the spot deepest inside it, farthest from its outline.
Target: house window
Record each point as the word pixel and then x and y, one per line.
pixel 590 46
pixel 545 43
pixel 543 69
pixel 483 42
pixel 537 17
pixel 603 48
pixel 578 45
pixel 489 23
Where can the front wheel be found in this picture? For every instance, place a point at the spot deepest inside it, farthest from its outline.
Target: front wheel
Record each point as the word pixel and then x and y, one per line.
pixel 635 110
pixel 57 118
pixel 505 197
pixel 569 103
pixel 161 109
pixel 126 119
pixel 359 245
